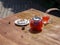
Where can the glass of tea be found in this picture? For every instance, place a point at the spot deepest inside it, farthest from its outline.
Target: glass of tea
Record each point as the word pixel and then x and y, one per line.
pixel 46 19
pixel 36 24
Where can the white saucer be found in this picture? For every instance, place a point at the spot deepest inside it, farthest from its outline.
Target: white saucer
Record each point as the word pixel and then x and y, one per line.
pixel 21 22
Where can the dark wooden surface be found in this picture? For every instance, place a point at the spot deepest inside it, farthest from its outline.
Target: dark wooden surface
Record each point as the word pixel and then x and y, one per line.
pixel 10 34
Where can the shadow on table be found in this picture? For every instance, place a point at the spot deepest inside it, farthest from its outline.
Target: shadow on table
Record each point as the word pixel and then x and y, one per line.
pixel 35 31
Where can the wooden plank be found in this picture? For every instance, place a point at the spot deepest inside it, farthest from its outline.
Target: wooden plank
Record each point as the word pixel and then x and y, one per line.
pixel 5 41
pixel 10 33
pixel 50 34
pixel 17 33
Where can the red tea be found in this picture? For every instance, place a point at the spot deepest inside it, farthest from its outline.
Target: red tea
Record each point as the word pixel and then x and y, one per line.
pixel 36 24
pixel 45 19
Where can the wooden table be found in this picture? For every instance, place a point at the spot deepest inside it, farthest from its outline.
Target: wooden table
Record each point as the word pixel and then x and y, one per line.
pixel 10 34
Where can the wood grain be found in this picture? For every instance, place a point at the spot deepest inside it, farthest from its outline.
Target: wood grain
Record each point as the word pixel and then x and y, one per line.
pixel 5 41
pixel 50 34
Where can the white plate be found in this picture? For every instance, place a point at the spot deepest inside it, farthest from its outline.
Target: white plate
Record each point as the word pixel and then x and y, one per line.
pixel 21 22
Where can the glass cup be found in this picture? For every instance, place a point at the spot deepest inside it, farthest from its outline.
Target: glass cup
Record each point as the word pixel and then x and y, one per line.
pixel 36 24
pixel 46 19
